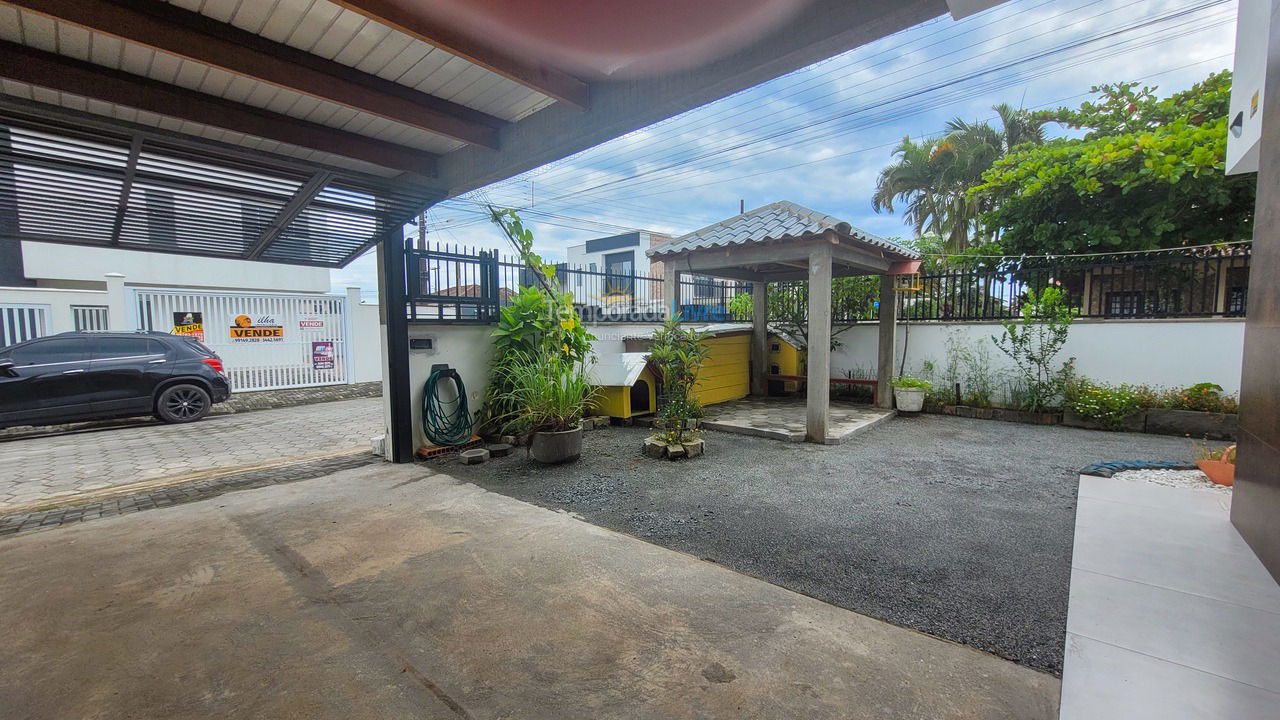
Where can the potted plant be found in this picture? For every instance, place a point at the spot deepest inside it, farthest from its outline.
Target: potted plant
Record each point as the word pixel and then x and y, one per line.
pixel 550 394
pixel 677 354
pixel 1219 465
pixel 909 392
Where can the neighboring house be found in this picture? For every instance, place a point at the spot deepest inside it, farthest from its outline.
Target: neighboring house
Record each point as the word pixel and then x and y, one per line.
pixel 274 325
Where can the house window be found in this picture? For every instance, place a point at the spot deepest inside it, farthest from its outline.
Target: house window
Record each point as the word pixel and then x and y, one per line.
pixel 1124 304
pixel 619 271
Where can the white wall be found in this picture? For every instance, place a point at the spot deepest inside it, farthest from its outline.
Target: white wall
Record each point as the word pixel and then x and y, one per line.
pixel 469 349
pixel 1252 31
pixel 366 339
pixel 1167 353
pixel 59 302
pixel 52 262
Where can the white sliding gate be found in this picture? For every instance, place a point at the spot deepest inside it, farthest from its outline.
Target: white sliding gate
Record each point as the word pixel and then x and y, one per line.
pixel 266 342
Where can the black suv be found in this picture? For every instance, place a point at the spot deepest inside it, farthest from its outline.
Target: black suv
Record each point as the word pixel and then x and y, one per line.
pixel 97 375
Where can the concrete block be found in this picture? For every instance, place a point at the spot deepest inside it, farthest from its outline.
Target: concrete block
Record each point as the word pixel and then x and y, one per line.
pixel 655 448
pixel 499 449
pixel 474 456
pixel 693 448
pixel 510 440
pixel 676 452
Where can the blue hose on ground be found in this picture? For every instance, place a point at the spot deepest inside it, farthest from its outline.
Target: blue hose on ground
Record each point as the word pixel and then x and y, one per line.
pixel 445 422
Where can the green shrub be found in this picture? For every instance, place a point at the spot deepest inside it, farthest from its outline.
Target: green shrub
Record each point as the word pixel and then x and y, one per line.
pixel 1034 344
pixel 1201 397
pixel 678 353
pixel 1106 404
pixel 906 381
pixel 549 389
pixel 540 328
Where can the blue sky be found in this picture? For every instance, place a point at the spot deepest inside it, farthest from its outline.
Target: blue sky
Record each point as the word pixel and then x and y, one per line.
pixel 819 136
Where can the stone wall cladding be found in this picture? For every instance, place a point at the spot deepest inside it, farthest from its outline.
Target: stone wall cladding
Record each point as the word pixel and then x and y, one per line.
pixel 268 399
pixel 239 403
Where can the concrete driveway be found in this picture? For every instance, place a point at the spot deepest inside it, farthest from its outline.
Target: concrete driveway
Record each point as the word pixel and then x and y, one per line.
pixel 389 591
pixel 74 467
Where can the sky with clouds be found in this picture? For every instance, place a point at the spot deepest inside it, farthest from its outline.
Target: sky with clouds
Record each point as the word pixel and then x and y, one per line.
pixel 820 136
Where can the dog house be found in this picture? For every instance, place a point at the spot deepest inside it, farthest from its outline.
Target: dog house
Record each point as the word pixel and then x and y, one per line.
pixel 787 356
pixel 726 374
pixel 627 386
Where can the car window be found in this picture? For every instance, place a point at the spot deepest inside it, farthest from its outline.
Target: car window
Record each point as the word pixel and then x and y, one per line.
pixel 105 348
pixel 199 347
pixel 52 350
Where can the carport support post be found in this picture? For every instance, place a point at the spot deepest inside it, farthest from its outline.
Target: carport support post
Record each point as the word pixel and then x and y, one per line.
pixel 399 393
pixel 818 412
pixel 759 338
pixel 671 288
pixel 888 342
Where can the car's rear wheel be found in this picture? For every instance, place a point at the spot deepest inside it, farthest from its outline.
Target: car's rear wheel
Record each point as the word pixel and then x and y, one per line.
pixel 182 403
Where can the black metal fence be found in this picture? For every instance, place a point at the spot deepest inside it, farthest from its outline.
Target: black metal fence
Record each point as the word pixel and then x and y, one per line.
pixel 454 284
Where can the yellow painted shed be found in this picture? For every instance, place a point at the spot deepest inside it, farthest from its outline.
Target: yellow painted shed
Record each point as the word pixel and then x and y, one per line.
pixel 625 386
pixel 726 374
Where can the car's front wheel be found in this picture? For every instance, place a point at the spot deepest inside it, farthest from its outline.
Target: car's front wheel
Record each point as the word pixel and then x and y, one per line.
pixel 182 403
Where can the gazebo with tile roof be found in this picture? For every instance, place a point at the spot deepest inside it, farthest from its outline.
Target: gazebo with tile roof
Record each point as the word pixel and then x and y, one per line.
pixel 785 241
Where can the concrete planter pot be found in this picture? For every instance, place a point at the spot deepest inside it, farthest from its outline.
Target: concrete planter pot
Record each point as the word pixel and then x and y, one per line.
pixel 553 448
pixel 1136 422
pixel 909 399
pixel 1220 472
pixel 1212 426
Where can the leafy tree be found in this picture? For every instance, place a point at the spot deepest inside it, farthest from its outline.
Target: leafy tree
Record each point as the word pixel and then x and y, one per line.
pixel 851 298
pixel 1034 344
pixel 933 177
pixel 1148 174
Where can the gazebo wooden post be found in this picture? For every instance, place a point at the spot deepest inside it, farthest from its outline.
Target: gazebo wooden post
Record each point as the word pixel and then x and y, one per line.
pixel 888 342
pixel 818 409
pixel 759 338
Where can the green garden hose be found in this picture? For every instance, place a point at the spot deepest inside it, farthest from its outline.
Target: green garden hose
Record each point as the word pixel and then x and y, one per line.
pixel 445 422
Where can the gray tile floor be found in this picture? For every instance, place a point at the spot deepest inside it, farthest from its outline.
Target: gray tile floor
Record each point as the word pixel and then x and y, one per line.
pixel 784 418
pixel 1171 614
pixel 59 468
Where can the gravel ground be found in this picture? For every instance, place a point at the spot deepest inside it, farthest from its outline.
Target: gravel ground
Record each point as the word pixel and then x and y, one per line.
pixel 1174 478
pixel 955 527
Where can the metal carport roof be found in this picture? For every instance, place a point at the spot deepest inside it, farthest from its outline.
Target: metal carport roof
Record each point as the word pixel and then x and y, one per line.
pixel 305 131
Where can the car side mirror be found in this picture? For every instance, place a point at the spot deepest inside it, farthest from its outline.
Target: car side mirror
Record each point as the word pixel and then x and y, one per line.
pixel 6 369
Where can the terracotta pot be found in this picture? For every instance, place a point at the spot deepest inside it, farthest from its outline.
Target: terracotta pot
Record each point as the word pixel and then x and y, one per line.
pixel 552 448
pixel 1220 472
pixel 909 400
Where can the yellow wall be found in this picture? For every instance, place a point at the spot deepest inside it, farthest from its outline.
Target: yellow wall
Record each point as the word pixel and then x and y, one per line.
pixel 725 374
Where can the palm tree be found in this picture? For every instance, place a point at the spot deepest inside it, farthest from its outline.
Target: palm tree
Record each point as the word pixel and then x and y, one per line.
pixel 933 177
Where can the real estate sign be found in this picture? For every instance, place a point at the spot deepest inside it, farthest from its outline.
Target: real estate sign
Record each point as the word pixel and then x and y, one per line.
pixel 322 355
pixel 190 324
pixel 263 328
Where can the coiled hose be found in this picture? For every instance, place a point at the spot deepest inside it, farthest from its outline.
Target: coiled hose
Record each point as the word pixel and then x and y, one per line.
pixel 445 422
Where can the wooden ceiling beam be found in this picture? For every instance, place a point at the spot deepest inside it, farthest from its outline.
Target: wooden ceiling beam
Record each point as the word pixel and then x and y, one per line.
pixel 175 31
pixel 56 72
pixel 414 23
